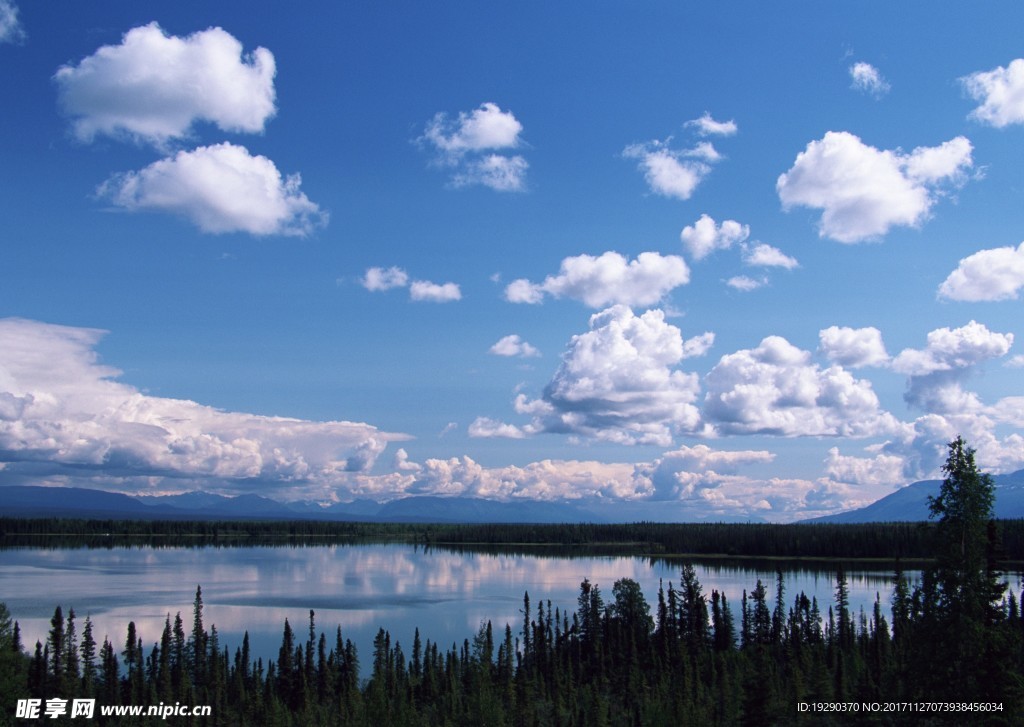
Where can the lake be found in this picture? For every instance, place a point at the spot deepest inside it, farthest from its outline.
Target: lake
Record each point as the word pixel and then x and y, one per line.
pixel 448 594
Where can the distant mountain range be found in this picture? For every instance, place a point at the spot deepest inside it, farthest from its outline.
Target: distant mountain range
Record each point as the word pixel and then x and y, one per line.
pixel 910 503
pixel 907 503
pixel 29 501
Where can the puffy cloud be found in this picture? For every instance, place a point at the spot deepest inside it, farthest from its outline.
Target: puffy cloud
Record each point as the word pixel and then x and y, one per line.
pixel 544 480
pixel 765 256
pixel 707 126
pixel 686 471
pixel 704 237
pixel 996 274
pixel 513 345
pixel 937 371
pixel 154 87
pixel 607 279
pixel 66 418
pixel 882 469
pixel 617 383
pixel 776 389
pixel 953 349
pixel 425 291
pixel 853 347
pixel 745 284
pixel 670 173
pixel 1001 93
pixel 220 189
pixel 487 127
pixel 468 144
pixel 866 78
pixel 10 27
pixel 864 191
pixel 377 279
pixel 1015 362
pixel 486 428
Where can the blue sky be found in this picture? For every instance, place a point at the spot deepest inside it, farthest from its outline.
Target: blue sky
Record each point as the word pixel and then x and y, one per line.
pixel 696 262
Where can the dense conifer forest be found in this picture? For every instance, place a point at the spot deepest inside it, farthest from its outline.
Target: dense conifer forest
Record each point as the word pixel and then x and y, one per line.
pixel 765 656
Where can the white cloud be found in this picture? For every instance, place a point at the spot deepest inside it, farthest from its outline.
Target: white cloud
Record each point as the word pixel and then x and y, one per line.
pixel 154 87
pixel 698 345
pixel 776 389
pixel 704 237
pixel 10 27
pixel 513 345
pixel 1015 362
pixel 685 472
pixel 220 189
pixel 707 126
pixel 500 173
pixel 469 144
pixel 864 191
pixel 867 78
pixel 67 419
pixel 953 349
pixel 745 284
pixel 617 382
pixel 425 291
pixel 487 127
pixel 1001 93
pixel 765 256
pixel 853 347
pixel 486 428
pixel 936 372
pixel 669 172
pixel 996 274
pixel 607 279
pixel 544 480
pixel 377 279
pixel 882 469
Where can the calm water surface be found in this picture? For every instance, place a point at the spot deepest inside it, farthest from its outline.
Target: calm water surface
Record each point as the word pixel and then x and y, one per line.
pixel 360 588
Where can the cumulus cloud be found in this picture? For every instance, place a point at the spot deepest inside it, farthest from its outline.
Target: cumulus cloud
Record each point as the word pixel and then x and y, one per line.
pixel 66 419
pixel 607 279
pixel 617 382
pixel 704 237
pixel 864 191
pixel 776 389
pixel 707 126
pixel 882 469
pixel 154 87
pixel 487 428
pixel 469 145
pixel 10 27
pixel 487 127
pixel 378 279
pixel 996 274
pixel 514 346
pixel 687 471
pixel 670 172
pixel 936 373
pixel 544 480
pixel 865 77
pixel 220 189
pixel 1001 93
pixel 425 291
pixel 953 349
pixel 763 255
pixel 853 347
